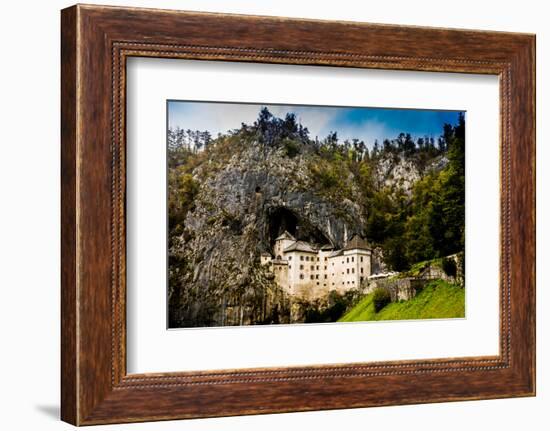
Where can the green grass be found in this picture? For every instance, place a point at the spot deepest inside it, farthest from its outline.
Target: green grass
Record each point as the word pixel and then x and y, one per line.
pixel 437 300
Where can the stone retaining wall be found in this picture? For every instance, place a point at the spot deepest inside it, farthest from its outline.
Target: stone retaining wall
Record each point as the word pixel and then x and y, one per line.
pixel 401 289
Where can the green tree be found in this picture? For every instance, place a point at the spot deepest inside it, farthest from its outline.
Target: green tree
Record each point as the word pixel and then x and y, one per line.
pixel 448 212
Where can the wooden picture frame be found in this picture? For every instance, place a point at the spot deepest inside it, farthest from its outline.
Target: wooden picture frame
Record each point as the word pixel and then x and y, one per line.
pixel 95 43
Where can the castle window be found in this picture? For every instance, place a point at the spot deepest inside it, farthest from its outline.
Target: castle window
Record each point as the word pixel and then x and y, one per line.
pixel 361 279
pixel 325 267
pixel 279 257
pixel 347 259
pixel 353 270
pixel 312 267
pixel 317 283
pixel 317 268
pixel 311 276
pixel 325 276
pixel 347 270
pixel 289 257
pixel 361 270
pixel 353 282
pixel 301 257
pixel 317 277
pixel 361 258
pixel 301 276
pixel 289 267
pixel 353 259
pixel 326 258
pixel 317 259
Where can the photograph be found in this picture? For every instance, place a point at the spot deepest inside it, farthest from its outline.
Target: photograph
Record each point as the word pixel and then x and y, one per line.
pixel 286 214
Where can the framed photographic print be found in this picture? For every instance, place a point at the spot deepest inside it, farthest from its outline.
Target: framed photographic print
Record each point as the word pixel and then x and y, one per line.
pixel 267 215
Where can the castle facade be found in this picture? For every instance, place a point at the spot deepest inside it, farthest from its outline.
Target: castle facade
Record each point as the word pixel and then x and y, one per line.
pixel 307 271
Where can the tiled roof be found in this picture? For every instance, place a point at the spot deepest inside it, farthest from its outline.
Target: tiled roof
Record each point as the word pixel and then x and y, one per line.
pixel 285 235
pixel 301 246
pixel 357 243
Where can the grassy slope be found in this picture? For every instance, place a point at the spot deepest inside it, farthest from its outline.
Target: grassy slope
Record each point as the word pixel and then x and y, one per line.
pixel 438 299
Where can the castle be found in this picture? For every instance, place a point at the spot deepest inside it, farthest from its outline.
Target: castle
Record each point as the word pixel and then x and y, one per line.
pixel 310 272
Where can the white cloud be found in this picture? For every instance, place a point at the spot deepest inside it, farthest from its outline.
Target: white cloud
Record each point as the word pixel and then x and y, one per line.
pixel 214 117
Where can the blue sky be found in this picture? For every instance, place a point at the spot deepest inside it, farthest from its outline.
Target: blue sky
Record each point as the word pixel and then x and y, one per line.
pixel 367 124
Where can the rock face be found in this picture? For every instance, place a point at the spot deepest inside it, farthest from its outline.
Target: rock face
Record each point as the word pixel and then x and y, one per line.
pixel 239 211
pixel 241 206
pixel 398 173
pixel 377 261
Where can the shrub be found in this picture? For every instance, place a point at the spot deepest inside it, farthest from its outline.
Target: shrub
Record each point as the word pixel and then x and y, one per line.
pixel 334 308
pixel 326 176
pixel 291 147
pixel 381 298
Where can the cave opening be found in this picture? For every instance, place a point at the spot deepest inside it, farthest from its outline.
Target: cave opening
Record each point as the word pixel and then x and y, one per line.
pixel 283 219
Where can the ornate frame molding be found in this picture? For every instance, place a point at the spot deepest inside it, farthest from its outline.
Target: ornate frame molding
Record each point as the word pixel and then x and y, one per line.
pixel 96 41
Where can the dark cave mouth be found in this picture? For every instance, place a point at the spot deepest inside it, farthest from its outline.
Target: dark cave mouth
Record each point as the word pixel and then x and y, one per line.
pixel 282 219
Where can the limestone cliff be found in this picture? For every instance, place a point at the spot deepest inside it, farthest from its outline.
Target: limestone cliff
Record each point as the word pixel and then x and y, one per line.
pixel 400 173
pixel 248 193
pixel 238 212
